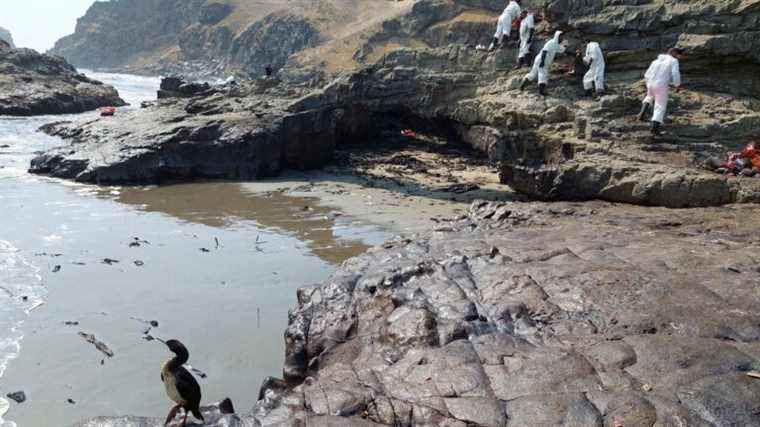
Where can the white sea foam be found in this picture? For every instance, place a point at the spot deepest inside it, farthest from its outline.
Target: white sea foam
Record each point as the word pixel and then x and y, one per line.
pixel 21 291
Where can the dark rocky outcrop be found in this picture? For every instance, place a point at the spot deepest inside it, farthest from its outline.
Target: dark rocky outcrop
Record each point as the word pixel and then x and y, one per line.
pixel 5 35
pixel 34 84
pixel 228 134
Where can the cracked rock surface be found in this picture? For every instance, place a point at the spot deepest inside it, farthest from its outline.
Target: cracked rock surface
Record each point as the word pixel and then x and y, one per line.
pixel 526 315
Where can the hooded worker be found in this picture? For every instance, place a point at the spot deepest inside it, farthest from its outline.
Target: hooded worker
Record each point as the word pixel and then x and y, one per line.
pixel 663 72
pixel 594 77
pixel 543 63
pixel 527 28
pixel 504 26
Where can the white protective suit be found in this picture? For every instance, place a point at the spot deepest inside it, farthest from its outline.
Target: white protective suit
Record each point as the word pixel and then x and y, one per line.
pixel 526 26
pixel 661 73
pixel 594 77
pixel 504 27
pixel 552 48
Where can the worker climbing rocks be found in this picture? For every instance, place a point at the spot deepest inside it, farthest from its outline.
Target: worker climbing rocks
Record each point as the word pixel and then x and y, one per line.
pixel 543 63
pixel 504 25
pixel 594 77
pixel 527 29
pixel 663 72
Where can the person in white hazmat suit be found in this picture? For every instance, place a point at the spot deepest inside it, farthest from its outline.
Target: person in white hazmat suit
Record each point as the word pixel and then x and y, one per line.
pixel 543 63
pixel 664 71
pixel 527 29
pixel 504 26
pixel 594 77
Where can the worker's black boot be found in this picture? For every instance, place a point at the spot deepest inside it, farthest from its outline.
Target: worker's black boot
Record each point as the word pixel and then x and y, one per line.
pixel 645 107
pixel 542 89
pixel 598 93
pixel 494 44
pixel 523 84
pixel 656 128
pixel 589 93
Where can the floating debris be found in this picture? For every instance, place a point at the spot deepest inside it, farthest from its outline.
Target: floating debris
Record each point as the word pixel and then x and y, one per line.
pixel 101 346
pixel 110 261
pixel 71 323
pixel 17 396
pixel 204 250
pixel 137 242
pixel 139 263
pixel 56 269
pixel 71 401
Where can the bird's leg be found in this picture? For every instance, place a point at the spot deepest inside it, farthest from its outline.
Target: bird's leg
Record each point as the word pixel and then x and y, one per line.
pixel 184 422
pixel 172 413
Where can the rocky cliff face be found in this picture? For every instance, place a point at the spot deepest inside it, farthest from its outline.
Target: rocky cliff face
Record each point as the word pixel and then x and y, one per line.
pixel 113 34
pixel 6 36
pixel 209 37
pixel 34 84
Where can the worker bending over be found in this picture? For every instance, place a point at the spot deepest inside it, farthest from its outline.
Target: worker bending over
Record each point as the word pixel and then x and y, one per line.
pixel 543 63
pixel 663 72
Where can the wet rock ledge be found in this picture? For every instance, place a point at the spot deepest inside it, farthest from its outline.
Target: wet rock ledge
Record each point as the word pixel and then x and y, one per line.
pixel 532 315
pixel 35 84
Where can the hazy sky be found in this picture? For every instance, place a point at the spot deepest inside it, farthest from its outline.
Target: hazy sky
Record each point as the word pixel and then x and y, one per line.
pixel 39 23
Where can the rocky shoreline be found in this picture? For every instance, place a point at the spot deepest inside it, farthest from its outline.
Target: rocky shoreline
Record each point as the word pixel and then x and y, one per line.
pixel 561 147
pixel 35 84
pixel 530 314
pixel 515 313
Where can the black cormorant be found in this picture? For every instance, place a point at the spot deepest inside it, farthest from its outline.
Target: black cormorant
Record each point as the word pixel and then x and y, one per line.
pixel 180 384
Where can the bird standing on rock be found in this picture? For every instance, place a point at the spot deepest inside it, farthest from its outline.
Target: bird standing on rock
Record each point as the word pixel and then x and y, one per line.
pixel 180 384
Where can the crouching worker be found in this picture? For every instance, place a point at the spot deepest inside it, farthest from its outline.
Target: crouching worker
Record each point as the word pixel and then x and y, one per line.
pixel 504 26
pixel 594 77
pixel 527 29
pixel 663 72
pixel 543 63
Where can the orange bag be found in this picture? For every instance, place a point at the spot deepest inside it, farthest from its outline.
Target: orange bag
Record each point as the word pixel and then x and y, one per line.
pixel 749 151
pixel 756 161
